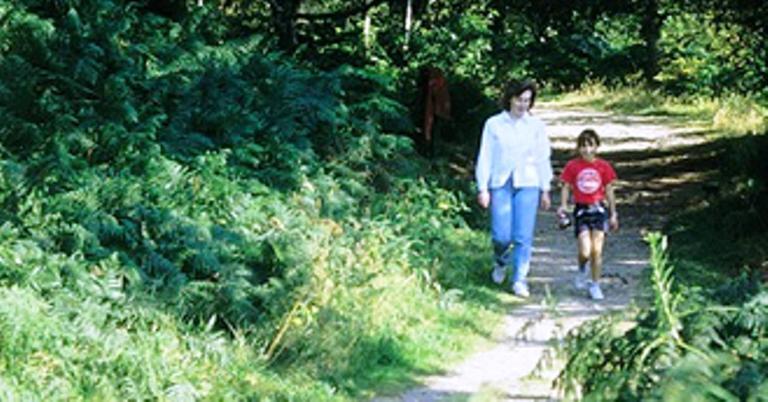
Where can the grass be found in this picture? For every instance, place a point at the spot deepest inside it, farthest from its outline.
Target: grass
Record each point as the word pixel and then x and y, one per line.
pixel 732 115
pixel 465 317
pixel 343 343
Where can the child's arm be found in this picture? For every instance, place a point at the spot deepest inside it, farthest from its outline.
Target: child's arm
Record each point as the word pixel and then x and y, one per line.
pixel 611 197
pixel 564 194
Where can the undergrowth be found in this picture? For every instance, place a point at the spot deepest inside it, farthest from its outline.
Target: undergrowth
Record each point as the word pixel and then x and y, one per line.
pixel 731 115
pixel 187 216
pixel 689 344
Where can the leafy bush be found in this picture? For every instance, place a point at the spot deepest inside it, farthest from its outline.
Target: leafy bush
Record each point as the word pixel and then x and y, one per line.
pixel 681 346
pixel 701 57
pixel 186 217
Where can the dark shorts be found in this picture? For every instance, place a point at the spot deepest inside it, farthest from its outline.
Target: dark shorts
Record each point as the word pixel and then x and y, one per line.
pixel 590 217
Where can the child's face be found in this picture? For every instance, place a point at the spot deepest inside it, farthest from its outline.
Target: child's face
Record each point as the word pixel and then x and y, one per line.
pixel 588 150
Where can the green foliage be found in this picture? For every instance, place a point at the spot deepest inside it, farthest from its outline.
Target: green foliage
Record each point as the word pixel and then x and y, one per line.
pixel 681 346
pixel 736 208
pixel 746 165
pixel 468 37
pixel 187 216
pixel 690 47
pixel 701 57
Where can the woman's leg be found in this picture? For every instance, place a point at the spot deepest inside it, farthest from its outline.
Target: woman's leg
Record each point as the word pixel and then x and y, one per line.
pixel 525 203
pixel 501 223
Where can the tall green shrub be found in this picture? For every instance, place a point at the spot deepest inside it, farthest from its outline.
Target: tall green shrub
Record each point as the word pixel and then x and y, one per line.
pixel 681 346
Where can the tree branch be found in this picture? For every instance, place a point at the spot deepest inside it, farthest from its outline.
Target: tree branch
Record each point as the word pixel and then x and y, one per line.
pixel 343 14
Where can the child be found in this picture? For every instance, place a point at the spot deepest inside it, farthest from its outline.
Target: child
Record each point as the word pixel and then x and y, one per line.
pixel 591 180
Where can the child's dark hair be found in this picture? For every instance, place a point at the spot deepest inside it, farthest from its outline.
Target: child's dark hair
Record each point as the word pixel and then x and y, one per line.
pixel 515 88
pixel 588 136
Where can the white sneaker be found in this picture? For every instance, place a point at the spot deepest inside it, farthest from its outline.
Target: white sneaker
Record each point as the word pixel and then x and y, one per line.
pixel 594 291
pixel 581 280
pixel 498 273
pixel 520 289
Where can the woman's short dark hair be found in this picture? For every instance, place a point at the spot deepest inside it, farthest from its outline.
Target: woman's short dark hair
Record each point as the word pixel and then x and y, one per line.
pixel 514 89
pixel 588 136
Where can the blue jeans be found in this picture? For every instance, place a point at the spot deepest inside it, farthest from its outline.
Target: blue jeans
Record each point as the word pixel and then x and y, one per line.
pixel 513 218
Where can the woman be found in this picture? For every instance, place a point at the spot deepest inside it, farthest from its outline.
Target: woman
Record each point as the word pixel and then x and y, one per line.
pixel 513 174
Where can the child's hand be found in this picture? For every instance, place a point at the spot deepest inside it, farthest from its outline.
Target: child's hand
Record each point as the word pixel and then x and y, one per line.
pixel 613 223
pixel 561 210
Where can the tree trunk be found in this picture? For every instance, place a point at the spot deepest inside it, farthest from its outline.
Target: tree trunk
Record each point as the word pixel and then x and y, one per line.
pixel 650 32
pixel 408 21
pixel 284 23
pixel 367 35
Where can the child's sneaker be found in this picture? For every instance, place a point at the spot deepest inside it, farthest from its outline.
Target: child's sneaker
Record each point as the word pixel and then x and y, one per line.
pixel 498 273
pixel 520 289
pixel 581 279
pixel 594 291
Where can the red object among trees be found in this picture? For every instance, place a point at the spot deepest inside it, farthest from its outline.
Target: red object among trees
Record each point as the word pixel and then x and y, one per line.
pixel 436 101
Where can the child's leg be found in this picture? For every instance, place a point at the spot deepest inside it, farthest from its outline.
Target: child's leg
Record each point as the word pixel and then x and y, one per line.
pixel 596 254
pixel 585 247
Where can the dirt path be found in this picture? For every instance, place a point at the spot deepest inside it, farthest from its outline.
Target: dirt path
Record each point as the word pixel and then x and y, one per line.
pixel 657 163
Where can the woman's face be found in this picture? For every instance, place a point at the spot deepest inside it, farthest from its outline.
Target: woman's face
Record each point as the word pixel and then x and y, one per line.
pixel 520 104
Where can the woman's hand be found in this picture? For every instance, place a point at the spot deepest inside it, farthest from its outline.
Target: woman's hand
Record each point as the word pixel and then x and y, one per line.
pixel 546 202
pixel 484 199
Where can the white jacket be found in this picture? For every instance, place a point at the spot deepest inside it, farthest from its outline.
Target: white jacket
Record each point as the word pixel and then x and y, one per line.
pixel 514 146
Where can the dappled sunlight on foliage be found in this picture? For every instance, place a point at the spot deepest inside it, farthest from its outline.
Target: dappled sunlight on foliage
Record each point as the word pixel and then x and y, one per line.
pixel 221 200
pixel 190 218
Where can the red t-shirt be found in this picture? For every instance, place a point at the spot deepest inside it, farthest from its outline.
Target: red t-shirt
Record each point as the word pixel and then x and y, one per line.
pixel 588 179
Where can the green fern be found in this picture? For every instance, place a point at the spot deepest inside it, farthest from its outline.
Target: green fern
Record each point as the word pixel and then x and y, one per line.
pixel 677 347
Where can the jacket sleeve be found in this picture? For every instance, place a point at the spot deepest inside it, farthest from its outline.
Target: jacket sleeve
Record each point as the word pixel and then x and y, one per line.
pixel 544 162
pixel 483 164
